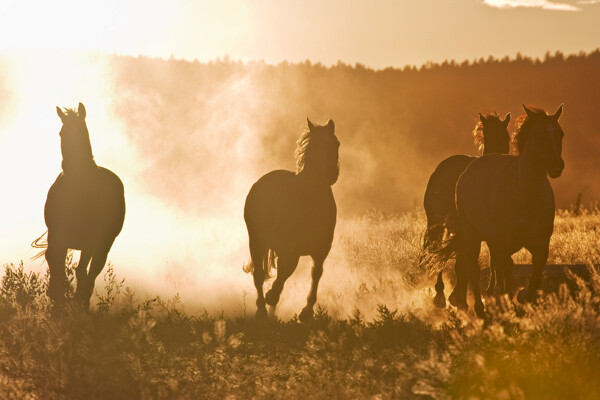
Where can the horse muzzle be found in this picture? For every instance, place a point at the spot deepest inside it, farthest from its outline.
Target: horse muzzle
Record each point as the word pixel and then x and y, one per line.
pixel 556 170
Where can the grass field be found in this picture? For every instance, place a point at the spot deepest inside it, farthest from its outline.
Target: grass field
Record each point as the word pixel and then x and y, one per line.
pixel 375 334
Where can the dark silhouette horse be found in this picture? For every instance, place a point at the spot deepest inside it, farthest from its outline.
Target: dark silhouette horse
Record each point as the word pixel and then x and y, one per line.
pixel 508 202
pixel 289 215
pixel 491 136
pixel 84 210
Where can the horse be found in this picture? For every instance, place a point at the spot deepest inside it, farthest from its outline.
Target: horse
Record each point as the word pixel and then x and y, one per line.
pixel 289 215
pixel 491 136
pixel 84 210
pixel 507 201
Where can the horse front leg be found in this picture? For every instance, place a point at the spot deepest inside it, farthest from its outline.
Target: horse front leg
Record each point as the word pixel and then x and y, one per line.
pixel 316 273
pixel 97 265
pixel 81 274
pixel 55 256
pixel 539 257
pixel 286 265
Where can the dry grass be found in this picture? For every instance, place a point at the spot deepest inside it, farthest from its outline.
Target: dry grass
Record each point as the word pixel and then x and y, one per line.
pixel 150 349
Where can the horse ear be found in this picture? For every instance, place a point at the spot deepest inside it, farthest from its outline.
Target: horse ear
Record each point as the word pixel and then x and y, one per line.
pixel 528 111
pixel 558 112
pixel 61 114
pixel 331 125
pixel 506 119
pixel 481 118
pixel 310 124
pixel 81 110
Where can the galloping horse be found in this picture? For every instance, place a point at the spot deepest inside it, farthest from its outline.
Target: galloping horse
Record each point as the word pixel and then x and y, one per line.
pixel 491 135
pixel 289 215
pixel 84 210
pixel 508 202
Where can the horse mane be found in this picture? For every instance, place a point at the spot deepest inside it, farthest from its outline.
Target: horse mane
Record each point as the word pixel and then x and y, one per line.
pixel 524 127
pixel 302 150
pixel 478 130
pixel 70 112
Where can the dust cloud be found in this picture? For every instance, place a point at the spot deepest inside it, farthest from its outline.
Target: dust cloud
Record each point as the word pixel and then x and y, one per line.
pixel 188 140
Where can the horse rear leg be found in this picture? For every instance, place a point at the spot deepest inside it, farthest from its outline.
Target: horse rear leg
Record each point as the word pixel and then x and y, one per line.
pixel 55 256
pixel 466 260
pixel 316 273
pixel 259 256
pixel 286 265
pixel 440 298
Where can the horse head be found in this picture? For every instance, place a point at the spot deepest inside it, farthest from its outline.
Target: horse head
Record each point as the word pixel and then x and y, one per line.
pixel 491 133
pixel 74 138
pixel 545 139
pixel 318 152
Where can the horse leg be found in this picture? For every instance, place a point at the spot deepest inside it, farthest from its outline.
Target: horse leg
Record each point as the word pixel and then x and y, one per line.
pixel 82 275
pixel 538 260
pixel 97 265
pixel 499 266
pixel 286 265
pixel 466 255
pixel 493 281
pixel 475 277
pixel 257 253
pixel 316 273
pixel 509 277
pixel 55 256
pixel 440 299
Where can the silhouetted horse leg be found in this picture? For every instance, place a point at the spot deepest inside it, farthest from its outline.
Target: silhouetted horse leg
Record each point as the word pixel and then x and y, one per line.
pixel 538 261
pixel 97 265
pixel 55 256
pixel 257 254
pixel 474 278
pixel 316 273
pixel 286 265
pixel 499 268
pixel 82 276
pixel 466 256
pixel 440 299
pixel 509 277
pixel 492 284
pixel 458 297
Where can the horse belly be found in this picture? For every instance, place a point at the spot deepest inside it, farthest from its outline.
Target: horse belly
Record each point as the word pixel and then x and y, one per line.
pixel 481 196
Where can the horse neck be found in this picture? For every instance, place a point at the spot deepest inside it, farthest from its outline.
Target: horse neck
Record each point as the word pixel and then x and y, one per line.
pixel 313 178
pixel 79 160
pixel 531 175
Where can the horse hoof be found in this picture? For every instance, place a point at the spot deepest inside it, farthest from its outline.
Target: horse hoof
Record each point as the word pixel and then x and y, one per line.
pixel 306 315
pixel 271 299
pixel 261 314
pixel 523 296
pixel 480 310
pixel 439 301
pixel 460 304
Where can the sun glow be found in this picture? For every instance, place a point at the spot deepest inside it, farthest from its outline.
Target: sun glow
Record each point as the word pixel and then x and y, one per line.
pixel 160 250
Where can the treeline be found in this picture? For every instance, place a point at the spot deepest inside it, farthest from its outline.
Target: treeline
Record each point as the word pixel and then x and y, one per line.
pixel 208 130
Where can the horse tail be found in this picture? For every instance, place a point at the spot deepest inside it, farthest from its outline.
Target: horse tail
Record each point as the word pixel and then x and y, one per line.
pixel 267 259
pixel 436 252
pixel 40 243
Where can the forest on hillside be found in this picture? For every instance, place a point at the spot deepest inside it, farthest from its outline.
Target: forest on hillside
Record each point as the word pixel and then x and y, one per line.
pixel 208 130
pixel 395 125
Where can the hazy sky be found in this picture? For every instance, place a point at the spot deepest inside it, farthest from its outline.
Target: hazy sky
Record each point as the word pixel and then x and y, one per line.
pixel 376 33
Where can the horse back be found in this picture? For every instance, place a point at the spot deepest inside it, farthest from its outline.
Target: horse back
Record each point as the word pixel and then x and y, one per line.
pixel 287 212
pixel 490 197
